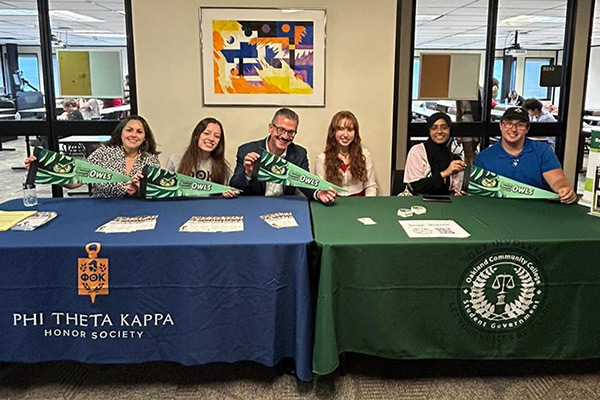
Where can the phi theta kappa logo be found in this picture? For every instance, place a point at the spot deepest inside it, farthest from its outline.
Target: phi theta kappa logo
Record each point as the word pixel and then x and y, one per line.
pixel 502 291
pixel 92 273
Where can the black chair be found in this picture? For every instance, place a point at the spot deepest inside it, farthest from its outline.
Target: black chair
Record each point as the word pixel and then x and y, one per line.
pixel 398 184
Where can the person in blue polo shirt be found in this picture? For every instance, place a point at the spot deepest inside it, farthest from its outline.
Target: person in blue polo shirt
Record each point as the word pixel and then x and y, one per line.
pixel 524 160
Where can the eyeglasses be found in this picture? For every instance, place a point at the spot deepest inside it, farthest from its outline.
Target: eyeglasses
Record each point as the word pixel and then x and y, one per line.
pixel 435 128
pixel 281 131
pixel 519 125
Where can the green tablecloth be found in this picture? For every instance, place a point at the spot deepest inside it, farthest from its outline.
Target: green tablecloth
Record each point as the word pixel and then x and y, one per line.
pixel 525 284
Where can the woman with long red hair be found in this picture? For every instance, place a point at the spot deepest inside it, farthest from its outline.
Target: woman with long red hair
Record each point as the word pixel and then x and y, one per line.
pixel 345 162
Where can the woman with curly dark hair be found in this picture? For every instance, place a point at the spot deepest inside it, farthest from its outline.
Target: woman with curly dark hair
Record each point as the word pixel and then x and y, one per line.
pixel 345 162
pixel 131 147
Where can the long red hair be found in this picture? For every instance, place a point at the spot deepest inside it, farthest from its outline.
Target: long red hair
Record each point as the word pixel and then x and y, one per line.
pixel 333 164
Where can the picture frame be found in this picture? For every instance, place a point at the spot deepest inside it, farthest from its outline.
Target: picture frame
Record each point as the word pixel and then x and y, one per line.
pixel 263 56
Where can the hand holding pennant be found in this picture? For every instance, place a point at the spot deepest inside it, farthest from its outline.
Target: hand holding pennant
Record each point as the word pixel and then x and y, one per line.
pixel 58 169
pixel 277 170
pixel 159 183
pixel 485 183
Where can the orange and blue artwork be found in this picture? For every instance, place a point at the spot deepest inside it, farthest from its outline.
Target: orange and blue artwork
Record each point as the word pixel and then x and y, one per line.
pixel 263 57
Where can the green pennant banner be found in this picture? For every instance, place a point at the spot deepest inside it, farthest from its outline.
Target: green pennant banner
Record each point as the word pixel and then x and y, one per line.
pixel 159 183
pixel 59 169
pixel 277 170
pixel 485 183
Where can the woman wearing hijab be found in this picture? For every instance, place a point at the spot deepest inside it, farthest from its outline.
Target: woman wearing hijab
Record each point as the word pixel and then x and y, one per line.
pixel 430 167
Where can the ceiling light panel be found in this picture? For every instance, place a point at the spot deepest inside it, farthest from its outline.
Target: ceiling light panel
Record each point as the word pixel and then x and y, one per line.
pixel 436 3
pixel 66 15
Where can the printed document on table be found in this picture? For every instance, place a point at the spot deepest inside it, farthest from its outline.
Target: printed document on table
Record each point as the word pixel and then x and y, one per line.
pixel 35 221
pixel 208 224
pixel 280 220
pixel 433 229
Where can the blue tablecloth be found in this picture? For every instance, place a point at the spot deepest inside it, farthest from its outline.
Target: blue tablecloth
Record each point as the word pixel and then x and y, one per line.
pixel 191 298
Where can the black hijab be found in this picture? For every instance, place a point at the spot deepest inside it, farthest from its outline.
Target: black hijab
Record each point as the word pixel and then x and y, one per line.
pixel 438 155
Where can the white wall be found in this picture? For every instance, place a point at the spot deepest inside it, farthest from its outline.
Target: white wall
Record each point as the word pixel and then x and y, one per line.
pixel 359 76
pixel 592 94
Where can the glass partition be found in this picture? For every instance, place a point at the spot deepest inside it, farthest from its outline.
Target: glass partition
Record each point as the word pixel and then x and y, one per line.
pixel 89 60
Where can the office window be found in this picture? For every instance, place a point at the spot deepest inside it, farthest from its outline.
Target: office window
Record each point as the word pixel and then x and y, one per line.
pixel 415 81
pixel 498 65
pixel 3 85
pixel 28 65
pixel 513 75
pixel 55 72
pixel 441 41
pixel 531 79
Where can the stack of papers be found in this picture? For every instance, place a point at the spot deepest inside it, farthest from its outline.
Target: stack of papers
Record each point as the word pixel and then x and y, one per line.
pixel 10 218
pixel 280 220
pixel 207 224
pixel 433 229
pixel 129 224
pixel 35 221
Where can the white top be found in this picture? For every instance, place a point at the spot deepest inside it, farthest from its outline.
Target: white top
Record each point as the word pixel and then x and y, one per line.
pixel 351 185
pixel 545 116
pixel 202 171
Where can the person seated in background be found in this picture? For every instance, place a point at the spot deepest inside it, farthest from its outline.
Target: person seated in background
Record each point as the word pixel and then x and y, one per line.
pixel 431 168
pixel 282 131
pixel 126 91
pixel 515 99
pixel 70 111
pixel 205 156
pixel 90 109
pixel 495 87
pixel 130 148
pixel 345 162
pixel 536 112
pixel 517 157
pixel 108 103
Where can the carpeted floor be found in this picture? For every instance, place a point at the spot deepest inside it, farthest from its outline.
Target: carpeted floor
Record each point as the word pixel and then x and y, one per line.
pixel 366 378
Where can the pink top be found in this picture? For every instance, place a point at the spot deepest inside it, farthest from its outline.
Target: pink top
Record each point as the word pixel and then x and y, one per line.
pixel 417 167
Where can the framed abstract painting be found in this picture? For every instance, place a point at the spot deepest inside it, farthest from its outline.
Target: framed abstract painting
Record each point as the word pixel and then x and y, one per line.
pixel 255 56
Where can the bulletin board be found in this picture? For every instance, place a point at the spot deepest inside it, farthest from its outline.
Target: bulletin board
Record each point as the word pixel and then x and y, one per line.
pixel 449 76
pixel 90 73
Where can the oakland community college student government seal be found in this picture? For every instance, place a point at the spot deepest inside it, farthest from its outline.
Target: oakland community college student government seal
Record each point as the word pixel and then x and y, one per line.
pixel 502 291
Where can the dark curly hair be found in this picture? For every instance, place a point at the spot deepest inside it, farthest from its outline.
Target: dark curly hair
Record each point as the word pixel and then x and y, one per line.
pixel 149 143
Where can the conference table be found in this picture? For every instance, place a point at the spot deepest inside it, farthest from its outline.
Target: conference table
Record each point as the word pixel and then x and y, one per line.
pixel 191 298
pixel 523 285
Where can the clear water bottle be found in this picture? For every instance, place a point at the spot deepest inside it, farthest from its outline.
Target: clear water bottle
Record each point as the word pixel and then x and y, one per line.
pixel 29 195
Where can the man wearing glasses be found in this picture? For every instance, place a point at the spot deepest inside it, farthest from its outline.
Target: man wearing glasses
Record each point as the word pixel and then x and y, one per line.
pixel 525 160
pixel 282 131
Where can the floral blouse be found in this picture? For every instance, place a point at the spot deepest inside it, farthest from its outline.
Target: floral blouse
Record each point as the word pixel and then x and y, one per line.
pixel 113 158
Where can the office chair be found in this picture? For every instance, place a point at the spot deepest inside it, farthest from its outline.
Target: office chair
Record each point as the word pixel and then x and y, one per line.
pixel 398 184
